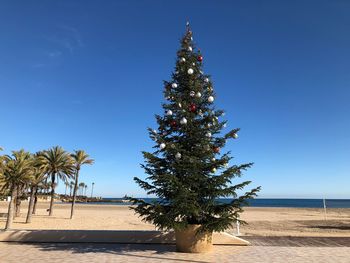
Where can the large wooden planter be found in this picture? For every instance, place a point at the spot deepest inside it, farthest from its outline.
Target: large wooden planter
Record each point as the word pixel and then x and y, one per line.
pixel 188 241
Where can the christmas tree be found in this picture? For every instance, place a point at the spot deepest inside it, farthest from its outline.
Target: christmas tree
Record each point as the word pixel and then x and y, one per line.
pixel 188 171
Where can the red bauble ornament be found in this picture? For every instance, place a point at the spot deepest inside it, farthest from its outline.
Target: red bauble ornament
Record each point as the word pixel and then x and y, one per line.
pixel 192 107
pixel 173 124
pixel 200 58
pixel 216 149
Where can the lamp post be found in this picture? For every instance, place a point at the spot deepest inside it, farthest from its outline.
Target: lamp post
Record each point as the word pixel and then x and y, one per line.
pixel 325 208
pixel 92 189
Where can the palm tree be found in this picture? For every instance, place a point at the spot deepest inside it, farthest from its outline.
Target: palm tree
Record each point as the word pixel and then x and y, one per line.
pixel 71 186
pixel 39 172
pixel 2 165
pixel 42 186
pixel 21 189
pixel 81 187
pixel 16 172
pixel 80 158
pixel 85 186
pixel 92 189
pixel 65 191
pixel 58 163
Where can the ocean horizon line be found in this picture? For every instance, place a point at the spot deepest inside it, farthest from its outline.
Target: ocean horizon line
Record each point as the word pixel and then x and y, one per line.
pixel 259 202
pixel 257 198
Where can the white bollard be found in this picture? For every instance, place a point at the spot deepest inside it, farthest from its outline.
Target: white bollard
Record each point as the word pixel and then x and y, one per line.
pixel 237 226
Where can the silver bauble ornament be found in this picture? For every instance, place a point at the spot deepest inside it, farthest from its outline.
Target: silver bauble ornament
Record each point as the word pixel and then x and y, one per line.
pixel 169 113
pixel 192 93
pixel 162 146
pixel 154 131
pixel 183 60
pixel 208 134
pixel 235 135
pixel 225 125
pixel 179 104
pixel 190 71
pixel 193 64
pixel 178 155
pixel 210 89
pixel 210 99
pixel 213 170
pixel 209 125
pixel 190 49
pixel 183 121
pixel 213 159
pixel 198 94
pixel 206 80
pixel 174 85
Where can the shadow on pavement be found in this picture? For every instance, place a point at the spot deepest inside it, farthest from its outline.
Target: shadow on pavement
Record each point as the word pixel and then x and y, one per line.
pixel 285 241
pixel 150 251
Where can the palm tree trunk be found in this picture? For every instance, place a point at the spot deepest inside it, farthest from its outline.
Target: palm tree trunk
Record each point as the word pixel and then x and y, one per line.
pixel 11 209
pixel 52 193
pixel 74 193
pixel 18 206
pixel 31 203
pixel 35 201
pixel 14 206
pixel 17 202
pixel 46 189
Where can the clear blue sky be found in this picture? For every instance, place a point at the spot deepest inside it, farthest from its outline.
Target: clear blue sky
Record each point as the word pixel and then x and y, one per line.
pixel 88 75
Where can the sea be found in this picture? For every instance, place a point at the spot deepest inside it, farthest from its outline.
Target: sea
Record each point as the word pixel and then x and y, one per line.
pixel 262 202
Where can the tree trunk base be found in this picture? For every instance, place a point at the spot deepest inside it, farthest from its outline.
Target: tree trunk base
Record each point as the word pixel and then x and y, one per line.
pixel 188 241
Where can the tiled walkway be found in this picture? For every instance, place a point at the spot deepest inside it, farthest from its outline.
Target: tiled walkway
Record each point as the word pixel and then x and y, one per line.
pixel 259 252
pixel 299 241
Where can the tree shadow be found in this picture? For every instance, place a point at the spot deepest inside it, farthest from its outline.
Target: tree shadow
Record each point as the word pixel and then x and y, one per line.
pixel 151 251
pixel 3 215
pixel 49 217
pixel 329 225
pixel 290 241
pixel 154 245
pixel 340 227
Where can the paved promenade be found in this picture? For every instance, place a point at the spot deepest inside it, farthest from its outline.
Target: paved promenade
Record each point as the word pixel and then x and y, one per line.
pixel 268 250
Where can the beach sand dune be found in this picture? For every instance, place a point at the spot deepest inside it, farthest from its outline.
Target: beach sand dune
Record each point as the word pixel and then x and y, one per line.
pixel 261 221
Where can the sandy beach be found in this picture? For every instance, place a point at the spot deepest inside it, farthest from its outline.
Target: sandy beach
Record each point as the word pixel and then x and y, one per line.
pixel 261 221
